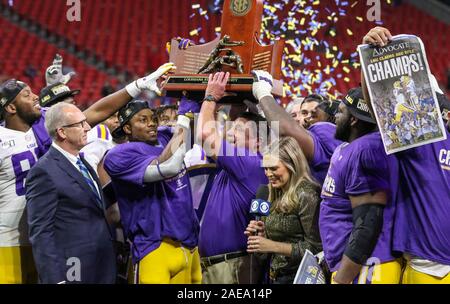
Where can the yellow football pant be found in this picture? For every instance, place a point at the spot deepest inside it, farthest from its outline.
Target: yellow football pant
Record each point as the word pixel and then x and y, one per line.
pixel 17 265
pixel 170 263
pixel 399 111
pixel 384 273
pixel 411 276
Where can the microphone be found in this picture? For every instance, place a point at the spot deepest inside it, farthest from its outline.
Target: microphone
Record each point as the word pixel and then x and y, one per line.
pixel 260 206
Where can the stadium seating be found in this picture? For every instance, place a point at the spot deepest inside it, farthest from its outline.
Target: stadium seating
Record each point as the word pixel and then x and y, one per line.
pixel 128 33
pixel 21 49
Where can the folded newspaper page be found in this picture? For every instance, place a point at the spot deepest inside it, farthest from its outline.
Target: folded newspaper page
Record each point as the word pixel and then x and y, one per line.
pixel 398 80
pixel 309 271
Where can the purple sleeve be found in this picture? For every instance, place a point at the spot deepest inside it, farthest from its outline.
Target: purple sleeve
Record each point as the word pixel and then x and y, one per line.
pixel 165 134
pixel 128 163
pixel 368 172
pixel 239 162
pixel 43 139
pixel 324 143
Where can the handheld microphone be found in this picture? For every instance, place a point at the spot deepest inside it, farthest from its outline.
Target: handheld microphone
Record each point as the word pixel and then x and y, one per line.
pixel 260 206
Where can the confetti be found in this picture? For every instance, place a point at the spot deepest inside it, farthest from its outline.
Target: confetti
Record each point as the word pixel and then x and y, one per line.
pixel 195 32
pixel 316 52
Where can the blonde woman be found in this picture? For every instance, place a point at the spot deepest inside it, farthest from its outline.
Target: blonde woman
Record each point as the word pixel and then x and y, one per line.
pixel 292 226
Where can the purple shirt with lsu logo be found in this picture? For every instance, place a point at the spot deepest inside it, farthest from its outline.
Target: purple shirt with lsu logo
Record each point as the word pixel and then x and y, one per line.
pixel 150 211
pixel 356 168
pixel 422 220
pixel 322 134
pixel 227 212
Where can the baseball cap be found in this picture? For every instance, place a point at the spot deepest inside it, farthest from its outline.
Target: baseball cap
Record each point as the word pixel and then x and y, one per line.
pixel 354 100
pixel 126 113
pixel 329 106
pixel 9 91
pixel 55 93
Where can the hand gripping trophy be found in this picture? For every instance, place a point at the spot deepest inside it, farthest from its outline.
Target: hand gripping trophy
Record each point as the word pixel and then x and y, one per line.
pixel 237 51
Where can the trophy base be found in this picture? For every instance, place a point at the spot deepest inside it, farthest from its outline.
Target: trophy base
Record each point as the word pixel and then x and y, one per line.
pixel 193 86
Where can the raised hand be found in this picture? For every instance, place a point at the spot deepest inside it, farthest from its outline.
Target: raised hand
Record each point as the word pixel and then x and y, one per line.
pixel 150 82
pixel 54 74
pixel 262 84
pixel 378 36
pixel 216 85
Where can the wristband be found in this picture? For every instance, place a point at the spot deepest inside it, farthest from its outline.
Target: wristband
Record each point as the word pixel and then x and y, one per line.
pixel 133 89
pixel 159 170
pixel 184 121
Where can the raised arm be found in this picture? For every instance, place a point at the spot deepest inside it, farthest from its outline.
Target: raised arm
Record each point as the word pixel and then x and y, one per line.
pixel 377 36
pixel 273 112
pixel 110 104
pixel 171 160
pixel 207 127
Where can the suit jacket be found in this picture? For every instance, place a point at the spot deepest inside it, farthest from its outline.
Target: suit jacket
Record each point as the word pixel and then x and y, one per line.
pixel 70 236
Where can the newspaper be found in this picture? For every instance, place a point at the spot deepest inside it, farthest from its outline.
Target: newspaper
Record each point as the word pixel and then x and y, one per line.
pixel 398 80
pixel 309 271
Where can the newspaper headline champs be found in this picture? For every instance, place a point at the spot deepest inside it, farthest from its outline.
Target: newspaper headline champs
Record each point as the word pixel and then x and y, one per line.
pixel 405 62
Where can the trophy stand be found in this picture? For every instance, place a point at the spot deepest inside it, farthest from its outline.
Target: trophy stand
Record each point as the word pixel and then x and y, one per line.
pixel 237 51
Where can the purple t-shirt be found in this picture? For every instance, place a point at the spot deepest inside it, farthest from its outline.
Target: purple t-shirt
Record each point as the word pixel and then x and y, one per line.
pixel 227 212
pixel 150 211
pixel 165 134
pixel 324 146
pixel 422 220
pixel 356 168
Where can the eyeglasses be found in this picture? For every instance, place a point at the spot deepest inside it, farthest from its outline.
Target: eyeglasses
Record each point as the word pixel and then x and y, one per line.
pixel 80 124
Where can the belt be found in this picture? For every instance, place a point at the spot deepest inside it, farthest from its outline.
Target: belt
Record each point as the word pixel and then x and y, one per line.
pixel 209 261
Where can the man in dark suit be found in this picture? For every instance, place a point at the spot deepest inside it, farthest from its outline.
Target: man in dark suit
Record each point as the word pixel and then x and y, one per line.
pixel 70 237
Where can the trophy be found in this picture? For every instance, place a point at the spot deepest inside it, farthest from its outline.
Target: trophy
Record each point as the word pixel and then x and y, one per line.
pixel 237 51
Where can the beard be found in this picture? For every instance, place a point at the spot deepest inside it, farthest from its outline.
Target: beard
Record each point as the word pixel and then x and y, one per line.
pixel 343 131
pixel 153 142
pixel 306 125
pixel 30 117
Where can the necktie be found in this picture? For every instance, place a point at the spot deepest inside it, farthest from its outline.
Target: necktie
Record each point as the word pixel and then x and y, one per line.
pixel 84 170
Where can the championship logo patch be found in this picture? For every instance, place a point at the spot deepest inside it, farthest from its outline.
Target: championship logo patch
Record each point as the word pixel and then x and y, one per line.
pixel 3 101
pixel 60 89
pixel 240 7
